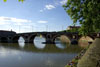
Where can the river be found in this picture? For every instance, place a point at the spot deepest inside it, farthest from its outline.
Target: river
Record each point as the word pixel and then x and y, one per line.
pixel 36 54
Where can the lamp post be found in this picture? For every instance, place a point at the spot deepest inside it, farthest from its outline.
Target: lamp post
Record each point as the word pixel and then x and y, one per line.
pixel 19 28
pixel 32 28
pixel 46 27
pixel 62 27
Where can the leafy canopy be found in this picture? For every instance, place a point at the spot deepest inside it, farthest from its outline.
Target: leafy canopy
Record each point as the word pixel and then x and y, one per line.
pixel 18 0
pixel 86 12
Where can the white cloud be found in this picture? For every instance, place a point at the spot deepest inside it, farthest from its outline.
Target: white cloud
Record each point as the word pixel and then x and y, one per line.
pixel 12 20
pixel 49 7
pixel 5 20
pixel 42 21
pixel 3 23
pixel 55 4
pixel 63 2
pixel 41 10
pixel 19 20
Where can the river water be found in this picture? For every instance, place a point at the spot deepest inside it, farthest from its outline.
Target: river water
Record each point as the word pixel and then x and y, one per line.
pixel 37 54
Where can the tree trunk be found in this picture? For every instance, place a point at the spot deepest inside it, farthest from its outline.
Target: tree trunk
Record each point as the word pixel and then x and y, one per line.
pixel 92 56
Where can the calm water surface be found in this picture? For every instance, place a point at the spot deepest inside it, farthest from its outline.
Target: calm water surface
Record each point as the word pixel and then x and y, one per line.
pixel 37 54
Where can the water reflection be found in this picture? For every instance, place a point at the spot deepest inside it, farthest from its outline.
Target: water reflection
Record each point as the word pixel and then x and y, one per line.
pixel 17 58
pixel 21 42
pixel 30 56
pixel 14 56
pixel 38 42
pixel 4 52
pixel 59 44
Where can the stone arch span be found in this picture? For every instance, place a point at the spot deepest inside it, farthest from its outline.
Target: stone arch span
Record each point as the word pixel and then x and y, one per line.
pixel 32 37
pixel 84 40
pixel 48 36
pixel 15 39
pixel 23 38
pixel 4 39
pixel 63 38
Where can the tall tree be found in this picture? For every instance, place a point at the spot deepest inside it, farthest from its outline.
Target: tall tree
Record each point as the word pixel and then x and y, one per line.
pixel 18 0
pixel 86 12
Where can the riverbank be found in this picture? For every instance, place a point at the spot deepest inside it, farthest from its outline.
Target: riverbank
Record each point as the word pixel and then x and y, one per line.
pixel 92 56
pixel 74 61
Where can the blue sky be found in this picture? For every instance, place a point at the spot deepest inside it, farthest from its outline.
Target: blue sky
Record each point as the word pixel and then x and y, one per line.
pixel 33 15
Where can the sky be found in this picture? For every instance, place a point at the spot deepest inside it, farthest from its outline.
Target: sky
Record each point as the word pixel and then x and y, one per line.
pixel 33 16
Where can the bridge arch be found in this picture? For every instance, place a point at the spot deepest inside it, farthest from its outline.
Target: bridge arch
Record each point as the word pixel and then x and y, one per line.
pixel 4 39
pixel 48 36
pixel 15 39
pixel 63 38
pixel 22 38
pixel 84 40
pixel 10 37
pixel 31 38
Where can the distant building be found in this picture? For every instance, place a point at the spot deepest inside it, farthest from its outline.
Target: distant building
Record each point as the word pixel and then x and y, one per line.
pixel 73 27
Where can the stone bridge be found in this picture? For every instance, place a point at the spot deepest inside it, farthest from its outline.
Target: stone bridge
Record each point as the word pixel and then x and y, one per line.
pixel 12 37
pixel 49 36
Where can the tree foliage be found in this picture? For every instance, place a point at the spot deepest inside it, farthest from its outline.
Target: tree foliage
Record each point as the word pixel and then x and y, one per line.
pixel 18 0
pixel 86 12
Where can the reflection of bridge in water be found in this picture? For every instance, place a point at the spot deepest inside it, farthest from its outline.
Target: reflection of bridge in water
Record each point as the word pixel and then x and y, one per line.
pixel 12 37
pixel 49 48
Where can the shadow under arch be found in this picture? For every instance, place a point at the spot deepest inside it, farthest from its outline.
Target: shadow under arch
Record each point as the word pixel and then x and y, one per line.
pixel 50 47
pixel 85 40
pixel 4 40
pixel 31 38
pixel 62 38
pixel 48 36
pixel 15 39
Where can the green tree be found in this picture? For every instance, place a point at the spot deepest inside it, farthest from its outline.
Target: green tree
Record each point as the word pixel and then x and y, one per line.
pixel 86 12
pixel 18 0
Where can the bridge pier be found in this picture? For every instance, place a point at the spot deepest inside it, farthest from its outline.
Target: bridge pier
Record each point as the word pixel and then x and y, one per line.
pixel 0 39
pixel 26 41
pixel 49 41
pixel 10 40
pixel 4 39
pixel 74 41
